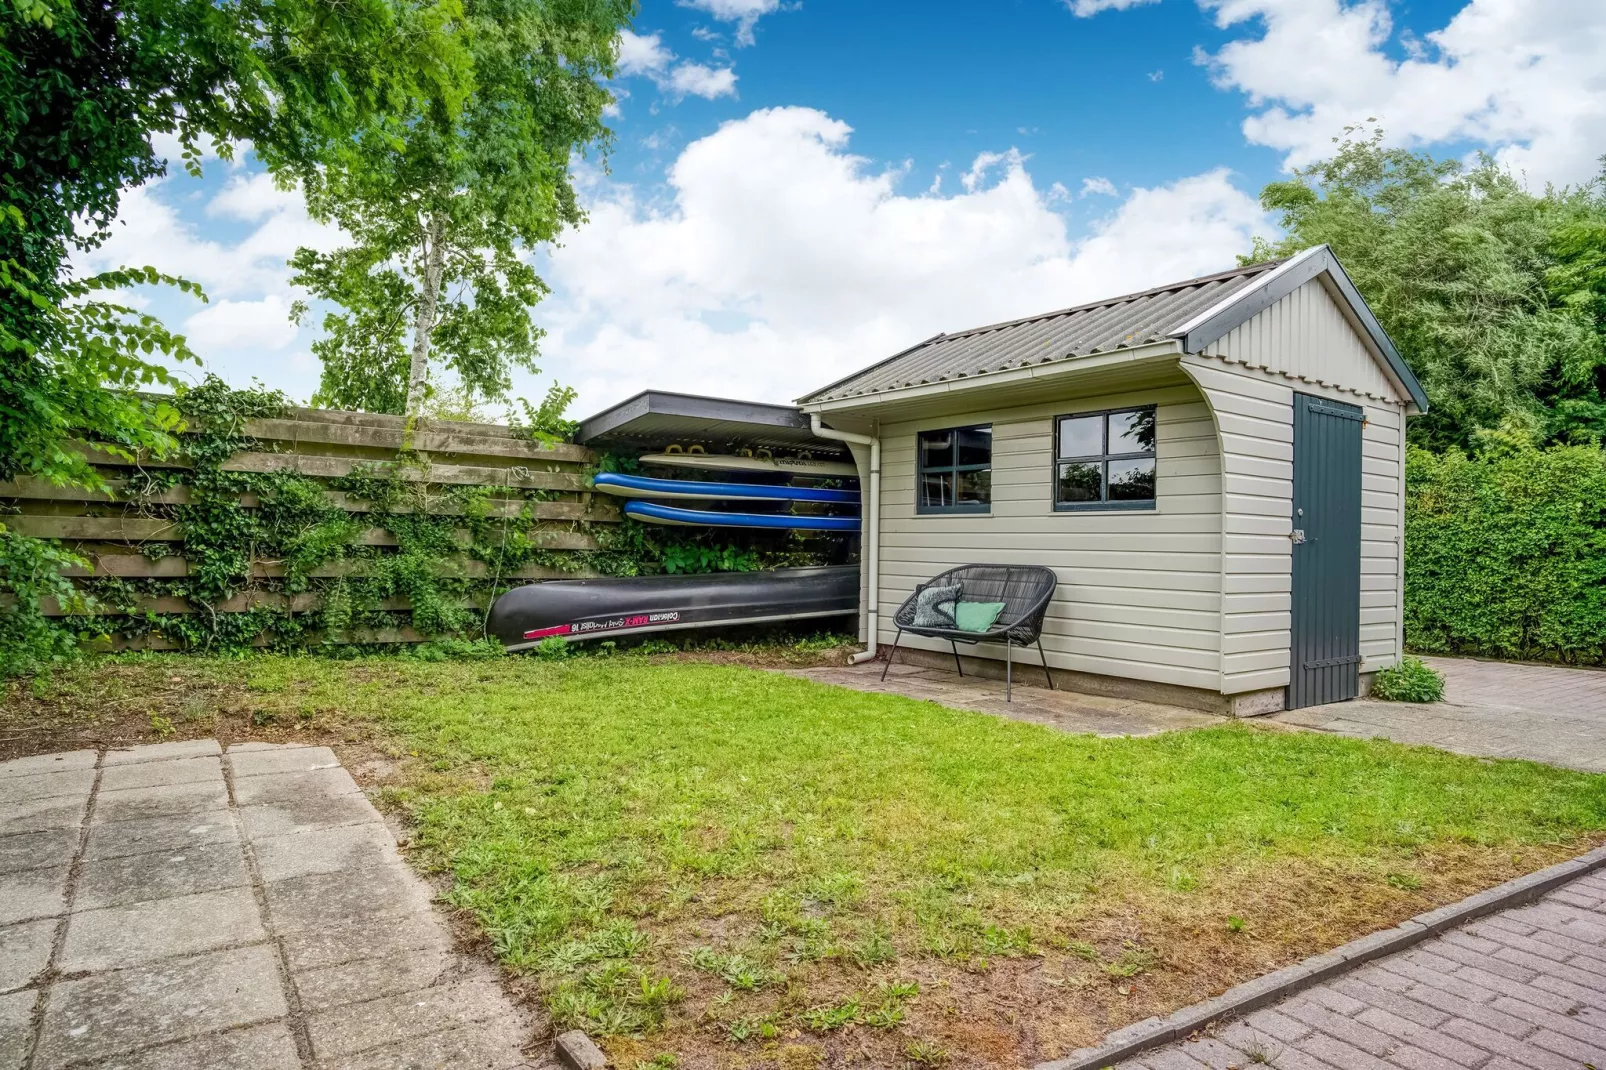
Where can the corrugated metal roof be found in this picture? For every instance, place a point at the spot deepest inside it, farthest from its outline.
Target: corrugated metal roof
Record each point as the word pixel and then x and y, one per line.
pixel 1102 327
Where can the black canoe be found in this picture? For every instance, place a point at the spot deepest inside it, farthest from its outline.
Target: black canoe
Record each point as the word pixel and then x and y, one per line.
pixel 590 609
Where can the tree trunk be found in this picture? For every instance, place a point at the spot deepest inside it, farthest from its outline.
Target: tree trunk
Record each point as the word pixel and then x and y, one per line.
pixel 424 321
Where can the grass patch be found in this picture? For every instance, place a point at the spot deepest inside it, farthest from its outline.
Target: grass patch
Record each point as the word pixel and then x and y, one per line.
pixel 704 855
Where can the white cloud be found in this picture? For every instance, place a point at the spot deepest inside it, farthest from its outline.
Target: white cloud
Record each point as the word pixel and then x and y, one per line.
pixel 696 80
pixel 645 55
pixel 253 197
pixel 245 277
pixel 1523 77
pixel 1100 185
pixel 1087 8
pixel 745 13
pixel 781 261
pixel 262 325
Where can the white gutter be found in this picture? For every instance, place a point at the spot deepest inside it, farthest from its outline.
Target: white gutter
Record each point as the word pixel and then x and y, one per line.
pixel 871 511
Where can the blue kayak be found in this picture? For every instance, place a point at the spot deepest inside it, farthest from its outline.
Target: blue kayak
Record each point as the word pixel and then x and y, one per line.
pixel 650 513
pixel 624 486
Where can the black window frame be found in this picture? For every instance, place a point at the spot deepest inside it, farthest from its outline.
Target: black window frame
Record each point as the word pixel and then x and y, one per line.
pixel 972 508
pixel 1103 459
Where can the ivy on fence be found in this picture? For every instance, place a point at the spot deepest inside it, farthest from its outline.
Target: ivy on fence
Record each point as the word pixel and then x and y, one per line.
pixel 449 549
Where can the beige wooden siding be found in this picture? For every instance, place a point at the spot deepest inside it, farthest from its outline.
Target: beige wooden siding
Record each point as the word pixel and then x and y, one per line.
pixel 1140 592
pixel 1306 336
pixel 1254 411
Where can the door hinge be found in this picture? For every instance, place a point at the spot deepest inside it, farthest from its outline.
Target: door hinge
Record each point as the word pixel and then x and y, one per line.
pixel 1297 535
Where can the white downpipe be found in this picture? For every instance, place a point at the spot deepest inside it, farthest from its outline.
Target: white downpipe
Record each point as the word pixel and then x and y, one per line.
pixel 871 511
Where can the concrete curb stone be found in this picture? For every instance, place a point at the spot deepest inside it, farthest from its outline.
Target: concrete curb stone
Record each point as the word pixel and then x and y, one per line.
pixel 1151 1033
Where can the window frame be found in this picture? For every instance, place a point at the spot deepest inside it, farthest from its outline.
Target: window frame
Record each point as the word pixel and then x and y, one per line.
pixel 954 469
pixel 1104 505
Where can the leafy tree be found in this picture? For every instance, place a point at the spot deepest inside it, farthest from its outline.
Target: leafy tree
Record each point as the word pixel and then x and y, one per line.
pixel 1462 266
pixel 444 204
pixel 84 87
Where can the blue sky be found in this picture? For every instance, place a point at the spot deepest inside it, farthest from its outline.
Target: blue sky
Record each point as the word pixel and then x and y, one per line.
pixel 799 188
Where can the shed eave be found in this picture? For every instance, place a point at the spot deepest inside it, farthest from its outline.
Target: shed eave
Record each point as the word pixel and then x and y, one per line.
pixel 1046 370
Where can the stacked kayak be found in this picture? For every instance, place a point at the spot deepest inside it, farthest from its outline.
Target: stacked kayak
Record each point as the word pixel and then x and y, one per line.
pixel 641 490
pixel 591 609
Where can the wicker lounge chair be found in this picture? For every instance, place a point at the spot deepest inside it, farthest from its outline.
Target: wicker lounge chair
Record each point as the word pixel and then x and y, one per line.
pixel 1025 591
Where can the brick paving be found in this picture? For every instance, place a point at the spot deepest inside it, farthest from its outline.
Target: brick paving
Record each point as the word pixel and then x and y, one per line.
pixel 1524 989
pixel 175 907
pixel 1491 709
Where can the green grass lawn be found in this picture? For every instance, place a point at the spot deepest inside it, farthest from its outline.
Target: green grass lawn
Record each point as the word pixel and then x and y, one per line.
pixel 747 868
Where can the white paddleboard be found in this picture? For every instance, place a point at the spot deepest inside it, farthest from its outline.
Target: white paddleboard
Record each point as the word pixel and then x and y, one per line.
pixel 722 462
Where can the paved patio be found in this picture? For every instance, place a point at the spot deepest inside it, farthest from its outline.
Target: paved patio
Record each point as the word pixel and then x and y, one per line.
pixel 1492 709
pixel 1524 989
pixel 173 907
pixel 1070 711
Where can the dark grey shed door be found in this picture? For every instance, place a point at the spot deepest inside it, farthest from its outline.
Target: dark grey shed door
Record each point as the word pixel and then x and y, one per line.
pixel 1326 643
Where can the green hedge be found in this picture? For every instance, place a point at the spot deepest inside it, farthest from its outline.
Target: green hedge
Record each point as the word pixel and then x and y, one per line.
pixel 1506 556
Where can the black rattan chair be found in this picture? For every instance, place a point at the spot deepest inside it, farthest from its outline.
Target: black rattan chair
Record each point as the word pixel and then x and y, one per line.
pixel 1025 591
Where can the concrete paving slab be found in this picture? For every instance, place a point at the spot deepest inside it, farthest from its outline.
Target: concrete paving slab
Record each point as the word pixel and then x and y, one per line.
pixel 476 1047
pixel 161 752
pixel 322 899
pixel 1492 709
pixel 175 832
pixel 25 952
pixel 356 982
pixel 348 1030
pixel 143 1006
pixel 134 804
pixel 39 815
pixel 48 763
pixel 325 851
pixel 370 937
pixel 256 745
pixel 33 893
pixel 72 782
pixel 307 814
pixel 261 1047
pixel 121 936
pixel 290 760
pixel 178 954
pixel 201 770
pixel 37 850
pixel 283 788
pixel 113 882
pixel 16 1029
pixel 1068 711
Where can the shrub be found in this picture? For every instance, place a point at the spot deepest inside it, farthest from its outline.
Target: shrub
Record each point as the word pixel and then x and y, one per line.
pixel 1506 555
pixel 1409 681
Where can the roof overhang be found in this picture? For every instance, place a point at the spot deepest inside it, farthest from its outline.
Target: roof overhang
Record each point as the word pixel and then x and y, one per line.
pixel 1317 262
pixel 1055 372
pixel 657 417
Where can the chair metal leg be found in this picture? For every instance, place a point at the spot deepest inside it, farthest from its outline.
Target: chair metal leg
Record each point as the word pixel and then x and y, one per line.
pixel 1044 658
pixel 891 654
pixel 1009 670
pixel 957 664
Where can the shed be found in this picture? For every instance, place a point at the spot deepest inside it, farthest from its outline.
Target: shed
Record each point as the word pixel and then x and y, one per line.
pixel 1214 469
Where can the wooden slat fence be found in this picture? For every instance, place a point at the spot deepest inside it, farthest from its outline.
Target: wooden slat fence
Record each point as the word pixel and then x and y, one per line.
pixel 116 533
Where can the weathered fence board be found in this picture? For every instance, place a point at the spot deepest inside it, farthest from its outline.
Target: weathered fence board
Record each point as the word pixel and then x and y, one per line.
pixel 129 530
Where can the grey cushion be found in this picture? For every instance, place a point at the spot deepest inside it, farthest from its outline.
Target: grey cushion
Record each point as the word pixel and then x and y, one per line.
pixel 934 608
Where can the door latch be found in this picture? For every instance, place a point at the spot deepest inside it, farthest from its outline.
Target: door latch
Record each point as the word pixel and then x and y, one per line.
pixel 1297 535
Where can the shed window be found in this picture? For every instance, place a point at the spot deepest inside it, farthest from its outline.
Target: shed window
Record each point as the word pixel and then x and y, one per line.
pixel 1104 460
pixel 955 470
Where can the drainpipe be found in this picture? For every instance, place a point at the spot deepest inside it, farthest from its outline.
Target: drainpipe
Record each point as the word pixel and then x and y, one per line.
pixel 872 514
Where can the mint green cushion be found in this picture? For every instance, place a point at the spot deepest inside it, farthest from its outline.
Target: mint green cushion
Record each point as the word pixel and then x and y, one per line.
pixel 976 616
